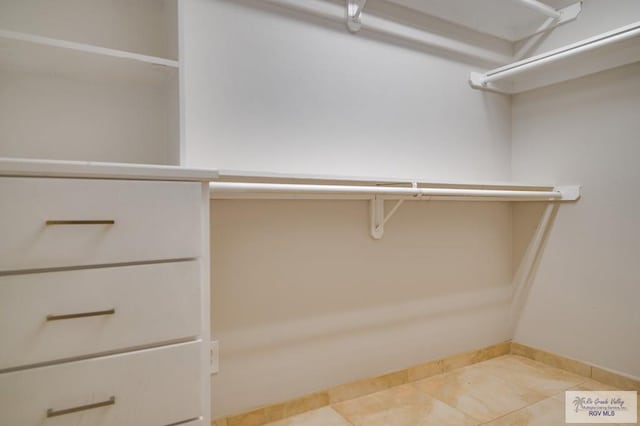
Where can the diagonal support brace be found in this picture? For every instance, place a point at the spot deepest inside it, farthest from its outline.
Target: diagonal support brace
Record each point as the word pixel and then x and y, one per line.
pixel 378 218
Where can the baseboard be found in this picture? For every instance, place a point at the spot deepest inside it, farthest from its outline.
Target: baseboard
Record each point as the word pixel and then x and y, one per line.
pixel 581 368
pixel 282 410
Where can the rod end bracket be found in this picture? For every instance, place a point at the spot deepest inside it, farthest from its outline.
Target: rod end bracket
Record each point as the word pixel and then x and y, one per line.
pixel 569 192
pixel 354 14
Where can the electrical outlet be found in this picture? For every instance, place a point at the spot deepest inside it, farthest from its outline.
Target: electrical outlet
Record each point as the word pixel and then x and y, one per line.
pixel 214 357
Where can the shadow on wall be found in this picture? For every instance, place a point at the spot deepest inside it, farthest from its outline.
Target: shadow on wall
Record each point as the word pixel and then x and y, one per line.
pixel 285 272
pixel 304 299
pixel 313 265
pixel 532 224
pixel 269 337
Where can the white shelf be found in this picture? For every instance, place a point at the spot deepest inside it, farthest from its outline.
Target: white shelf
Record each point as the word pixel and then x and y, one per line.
pixel 508 20
pixel 602 52
pixel 33 53
pixel 301 178
pixel 98 170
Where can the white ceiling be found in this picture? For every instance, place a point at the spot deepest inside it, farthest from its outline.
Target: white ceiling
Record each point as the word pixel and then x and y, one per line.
pixel 508 19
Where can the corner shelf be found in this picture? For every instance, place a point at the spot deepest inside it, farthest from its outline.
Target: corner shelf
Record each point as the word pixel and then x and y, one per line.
pixel 29 52
pixel 602 52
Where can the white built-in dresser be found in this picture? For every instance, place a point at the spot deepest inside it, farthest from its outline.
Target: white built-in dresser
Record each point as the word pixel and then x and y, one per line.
pixel 104 294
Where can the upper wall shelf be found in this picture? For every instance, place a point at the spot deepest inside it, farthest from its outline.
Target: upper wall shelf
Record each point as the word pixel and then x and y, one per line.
pixel 510 20
pixel 98 170
pixel 322 179
pixel 602 52
pixel 29 52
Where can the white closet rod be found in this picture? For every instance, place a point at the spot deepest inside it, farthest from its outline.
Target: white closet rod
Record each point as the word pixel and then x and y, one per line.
pixel 285 188
pixel 336 12
pixel 596 42
pixel 542 8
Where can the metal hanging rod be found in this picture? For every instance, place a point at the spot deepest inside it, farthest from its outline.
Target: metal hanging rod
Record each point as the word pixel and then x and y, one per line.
pixel 559 193
pixel 377 195
pixel 480 81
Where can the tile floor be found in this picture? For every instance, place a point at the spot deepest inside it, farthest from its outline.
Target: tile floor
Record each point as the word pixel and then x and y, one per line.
pixel 508 390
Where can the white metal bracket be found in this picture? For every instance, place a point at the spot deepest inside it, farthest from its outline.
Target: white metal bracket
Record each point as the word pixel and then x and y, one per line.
pixel 354 14
pixel 569 192
pixel 566 14
pixel 378 219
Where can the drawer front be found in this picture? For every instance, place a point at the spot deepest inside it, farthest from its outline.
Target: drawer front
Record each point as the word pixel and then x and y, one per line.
pixel 153 387
pixel 47 223
pixel 55 315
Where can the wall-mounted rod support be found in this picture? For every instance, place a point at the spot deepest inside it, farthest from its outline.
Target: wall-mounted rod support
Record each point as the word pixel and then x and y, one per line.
pixel 567 14
pixel 354 14
pixel 377 216
pixel 542 8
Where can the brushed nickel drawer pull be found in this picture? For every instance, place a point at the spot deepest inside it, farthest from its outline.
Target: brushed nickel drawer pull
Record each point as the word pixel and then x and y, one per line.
pixel 80 222
pixel 54 413
pixel 81 315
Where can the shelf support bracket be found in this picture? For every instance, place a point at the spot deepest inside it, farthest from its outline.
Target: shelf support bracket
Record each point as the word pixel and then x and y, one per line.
pixel 566 14
pixel 354 14
pixel 378 218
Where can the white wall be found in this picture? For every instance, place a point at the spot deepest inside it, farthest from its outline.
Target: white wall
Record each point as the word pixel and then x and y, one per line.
pixel 51 116
pixel 582 302
pixel 302 298
pixel 270 91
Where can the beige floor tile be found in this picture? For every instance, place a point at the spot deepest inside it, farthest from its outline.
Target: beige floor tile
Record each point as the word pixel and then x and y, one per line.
pixel 493 388
pixel 478 393
pixel 548 412
pixel 533 375
pixel 588 385
pixel 401 406
pixel 324 416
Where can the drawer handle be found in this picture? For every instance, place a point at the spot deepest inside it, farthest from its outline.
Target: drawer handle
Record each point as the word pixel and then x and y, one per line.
pixel 81 315
pixel 80 222
pixel 54 413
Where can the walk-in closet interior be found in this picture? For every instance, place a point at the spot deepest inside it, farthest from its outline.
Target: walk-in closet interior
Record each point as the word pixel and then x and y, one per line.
pixel 250 212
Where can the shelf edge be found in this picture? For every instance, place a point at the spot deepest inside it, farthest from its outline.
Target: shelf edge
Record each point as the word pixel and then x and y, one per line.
pixel 87 48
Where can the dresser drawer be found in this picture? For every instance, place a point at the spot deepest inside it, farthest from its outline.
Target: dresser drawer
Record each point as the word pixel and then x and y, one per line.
pixel 47 223
pixel 153 387
pixel 55 315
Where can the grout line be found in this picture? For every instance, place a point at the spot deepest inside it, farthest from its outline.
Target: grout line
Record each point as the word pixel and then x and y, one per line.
pixel 340 414
pixel 468 358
